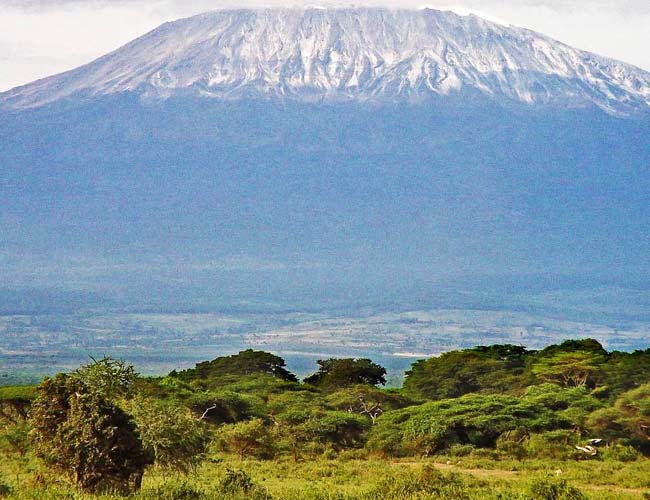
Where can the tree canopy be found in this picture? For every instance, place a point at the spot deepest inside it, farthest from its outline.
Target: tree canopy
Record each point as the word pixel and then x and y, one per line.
pixel 104 425
pixel 336 373
pixel 246 362
pixel 496 369
pixel 78 431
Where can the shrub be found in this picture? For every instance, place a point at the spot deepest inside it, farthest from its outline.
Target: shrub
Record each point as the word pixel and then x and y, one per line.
pixel 429 483
pixel 245 438
pixel 173 491
pixel 77 431
pixel 176 439
pixel 460 450
pixel 513 444
pixel 550 489
pixel 621 453
pixel 558 445
pixel 17 438
pixel 5 490
pixel 238 483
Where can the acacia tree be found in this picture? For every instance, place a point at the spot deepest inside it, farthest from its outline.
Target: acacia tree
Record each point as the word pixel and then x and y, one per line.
pixel 248 362
pixel 296 430
pixel 79 431
pixel 628 419
pixel 110 377
pixel 571 369
pixel 171 433
pixel 366 400
pixel 246 437
pixel 495 369
pixel 337 373
pixel 634 407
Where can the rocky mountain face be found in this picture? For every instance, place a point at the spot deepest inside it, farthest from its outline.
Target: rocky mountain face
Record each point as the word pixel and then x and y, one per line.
pixel 348 54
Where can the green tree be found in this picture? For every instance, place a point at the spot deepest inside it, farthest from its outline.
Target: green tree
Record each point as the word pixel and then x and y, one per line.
pixel 248 437
pixel 628 419
pixel 571 369
pixel 366 400
pixel 78 431
pixel 248 362
pixel 496 369
pixel 570 406
pixel 634 407
pixel 427 434
pixel 341 429
pixel 626 371
pixel 110 377
pixel 171 433
pixel 337 373
pixel 475 419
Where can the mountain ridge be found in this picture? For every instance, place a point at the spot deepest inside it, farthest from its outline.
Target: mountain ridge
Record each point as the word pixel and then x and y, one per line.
pixel 361 54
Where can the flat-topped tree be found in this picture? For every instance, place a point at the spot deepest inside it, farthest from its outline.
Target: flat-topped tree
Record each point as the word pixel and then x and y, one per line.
pixel 336 373
pixel 572 345
pixel 244 363
pixel 571 369
pixel 486 369
pixel 573 363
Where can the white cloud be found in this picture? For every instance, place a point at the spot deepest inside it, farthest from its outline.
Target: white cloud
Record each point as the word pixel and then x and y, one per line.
pixel 42 37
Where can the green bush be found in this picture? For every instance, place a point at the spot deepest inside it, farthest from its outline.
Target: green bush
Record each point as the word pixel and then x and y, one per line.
pixel 621 453
pixel 513 444
pixel 239 484
pixel 247 438
pixel 236 481
pixel 556 445
pixel 461 450
pixel 429 483
pixel 553 489
pixel 173 491
pixel 5 489
pixel 175 438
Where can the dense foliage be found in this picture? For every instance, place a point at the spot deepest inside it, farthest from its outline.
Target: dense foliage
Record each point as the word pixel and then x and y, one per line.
pixel 509 369
pixel 210 373
pixel 335 373
pixel 104 426
pixel 78 431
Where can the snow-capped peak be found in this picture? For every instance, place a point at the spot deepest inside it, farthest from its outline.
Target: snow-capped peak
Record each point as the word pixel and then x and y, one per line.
pixel 360 53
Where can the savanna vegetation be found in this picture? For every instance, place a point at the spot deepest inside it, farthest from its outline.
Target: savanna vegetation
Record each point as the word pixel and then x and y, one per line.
pixel 571 421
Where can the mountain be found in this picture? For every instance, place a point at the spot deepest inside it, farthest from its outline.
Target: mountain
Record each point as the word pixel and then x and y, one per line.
pixel 360 54
pixel 297 156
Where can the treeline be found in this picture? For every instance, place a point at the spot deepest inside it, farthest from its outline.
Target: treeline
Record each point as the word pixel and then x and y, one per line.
pixel 104 425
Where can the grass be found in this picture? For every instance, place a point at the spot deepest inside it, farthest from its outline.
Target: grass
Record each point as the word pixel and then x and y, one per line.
pixel 358 478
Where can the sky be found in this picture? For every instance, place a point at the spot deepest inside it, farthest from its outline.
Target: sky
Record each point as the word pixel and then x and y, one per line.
pixel 43 37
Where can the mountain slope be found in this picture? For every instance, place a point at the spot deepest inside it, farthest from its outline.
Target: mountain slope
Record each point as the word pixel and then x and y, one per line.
pixel 115 190
pixel 363 54
pixel 291 182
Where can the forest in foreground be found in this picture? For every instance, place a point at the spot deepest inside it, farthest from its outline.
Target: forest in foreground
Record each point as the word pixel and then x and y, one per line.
pixel 570 421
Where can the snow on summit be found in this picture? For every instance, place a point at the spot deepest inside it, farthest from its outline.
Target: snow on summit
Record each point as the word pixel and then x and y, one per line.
pixel 361 54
